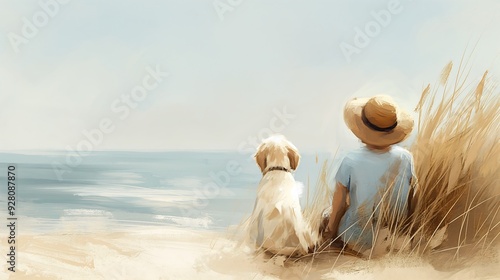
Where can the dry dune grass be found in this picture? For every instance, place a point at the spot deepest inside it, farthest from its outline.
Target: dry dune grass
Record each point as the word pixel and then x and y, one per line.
pixel 457 165
pixel 456 159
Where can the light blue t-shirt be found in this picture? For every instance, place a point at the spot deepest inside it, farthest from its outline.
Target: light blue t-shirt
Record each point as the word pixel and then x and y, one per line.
pixel 368 175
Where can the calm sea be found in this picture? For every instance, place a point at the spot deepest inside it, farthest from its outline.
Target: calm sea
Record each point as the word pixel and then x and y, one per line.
pixel 209 190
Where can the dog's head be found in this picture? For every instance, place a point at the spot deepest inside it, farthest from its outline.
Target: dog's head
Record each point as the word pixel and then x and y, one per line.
pixel 277 151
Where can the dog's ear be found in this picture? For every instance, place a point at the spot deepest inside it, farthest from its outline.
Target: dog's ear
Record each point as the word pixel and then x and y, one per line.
pixel 261 157
pixel 293 156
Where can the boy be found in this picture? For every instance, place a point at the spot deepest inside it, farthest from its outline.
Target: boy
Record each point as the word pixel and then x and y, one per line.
pixel 375 179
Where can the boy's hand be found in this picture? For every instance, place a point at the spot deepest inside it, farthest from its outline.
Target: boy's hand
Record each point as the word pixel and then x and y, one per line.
pixel 332 240
pixel 328 234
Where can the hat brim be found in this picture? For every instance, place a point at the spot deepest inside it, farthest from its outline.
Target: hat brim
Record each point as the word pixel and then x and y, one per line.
pixel 353 119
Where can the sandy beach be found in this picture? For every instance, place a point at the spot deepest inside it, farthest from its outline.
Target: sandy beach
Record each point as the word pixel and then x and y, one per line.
pixel 176 253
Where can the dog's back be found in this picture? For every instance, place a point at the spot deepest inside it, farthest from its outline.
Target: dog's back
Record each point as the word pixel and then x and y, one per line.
pixel 276 224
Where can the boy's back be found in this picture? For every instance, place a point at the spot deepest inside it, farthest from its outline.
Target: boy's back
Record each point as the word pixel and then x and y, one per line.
pixel 370 175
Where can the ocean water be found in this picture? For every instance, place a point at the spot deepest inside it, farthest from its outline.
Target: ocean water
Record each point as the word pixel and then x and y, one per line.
pixel 110 189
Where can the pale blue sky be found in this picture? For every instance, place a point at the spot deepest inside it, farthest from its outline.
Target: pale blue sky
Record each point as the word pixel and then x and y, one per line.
pixel 226 76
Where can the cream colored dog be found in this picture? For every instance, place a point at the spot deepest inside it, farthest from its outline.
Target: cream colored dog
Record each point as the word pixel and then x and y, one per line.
pixel 277 224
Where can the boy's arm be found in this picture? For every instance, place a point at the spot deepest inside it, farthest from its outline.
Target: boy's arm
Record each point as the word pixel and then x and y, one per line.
pixel 339 203
pixel 412 200
pixel 412 195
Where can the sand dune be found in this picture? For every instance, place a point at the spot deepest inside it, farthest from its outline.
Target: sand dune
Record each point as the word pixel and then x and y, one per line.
pixel 174 253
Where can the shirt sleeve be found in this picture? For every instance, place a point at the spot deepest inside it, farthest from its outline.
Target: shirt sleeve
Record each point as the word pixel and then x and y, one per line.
pixel 344 173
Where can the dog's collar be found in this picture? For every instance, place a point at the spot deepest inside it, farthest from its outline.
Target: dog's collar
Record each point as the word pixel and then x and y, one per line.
pixel 277 168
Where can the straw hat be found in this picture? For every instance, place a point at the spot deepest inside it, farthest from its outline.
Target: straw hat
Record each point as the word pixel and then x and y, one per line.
pixel 377 121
